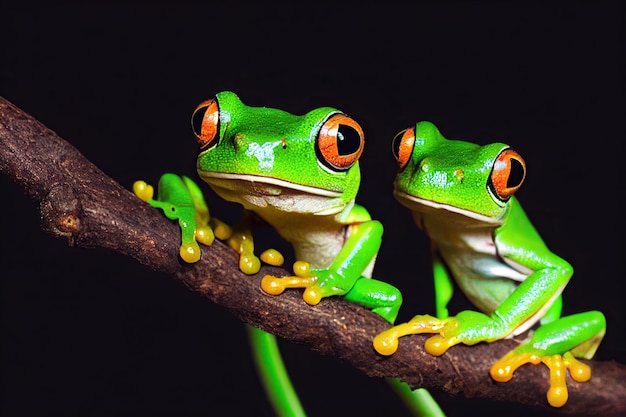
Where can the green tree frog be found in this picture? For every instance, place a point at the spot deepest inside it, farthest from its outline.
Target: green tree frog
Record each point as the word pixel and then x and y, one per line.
pixel 301 175
pixel 462 196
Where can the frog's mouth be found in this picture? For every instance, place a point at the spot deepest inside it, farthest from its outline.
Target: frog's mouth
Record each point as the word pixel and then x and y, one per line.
pixel 257 191
pixel 428 206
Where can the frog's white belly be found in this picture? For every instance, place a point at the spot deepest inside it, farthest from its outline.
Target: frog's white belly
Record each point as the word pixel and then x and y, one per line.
pixel 318 247
pixel 309 218
pixel 471 256
pixel 484 279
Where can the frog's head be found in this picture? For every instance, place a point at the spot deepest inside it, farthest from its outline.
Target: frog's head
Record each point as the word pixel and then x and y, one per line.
pixel 262 156
pixel 462 177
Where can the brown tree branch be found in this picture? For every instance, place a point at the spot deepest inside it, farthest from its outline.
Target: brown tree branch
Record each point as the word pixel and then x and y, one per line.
pixel 79 202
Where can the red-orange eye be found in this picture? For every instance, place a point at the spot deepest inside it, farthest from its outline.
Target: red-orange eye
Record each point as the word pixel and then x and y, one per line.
pixel 507 174
pixel 205 122
pixel 340 142
pixel 402 146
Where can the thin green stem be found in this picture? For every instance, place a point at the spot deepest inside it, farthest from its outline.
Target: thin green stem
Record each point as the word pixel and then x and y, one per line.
pixel 418 401
pixel 273 374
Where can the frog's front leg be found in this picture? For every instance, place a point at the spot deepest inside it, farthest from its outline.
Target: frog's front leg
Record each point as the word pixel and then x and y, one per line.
pixel 356 255
pixel 342 276
pixel 181 199
pixel 556 345
pixel 382 298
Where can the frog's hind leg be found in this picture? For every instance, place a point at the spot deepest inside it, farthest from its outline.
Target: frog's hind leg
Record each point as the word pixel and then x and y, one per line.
pixel 382 298
pixel 556 345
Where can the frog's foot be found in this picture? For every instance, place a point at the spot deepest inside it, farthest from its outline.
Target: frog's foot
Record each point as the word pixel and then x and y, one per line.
pixel 190 252
pixel 242 242
pixel 192 233
pixel 249 263
pixel 143 190
pixel 503 370
pixel 272 257
pixel 221 230
pixel 386 343
pixel 277 285
pixel 205 235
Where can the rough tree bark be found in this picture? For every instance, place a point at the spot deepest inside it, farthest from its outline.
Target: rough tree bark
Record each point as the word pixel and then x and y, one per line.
pixel 80 203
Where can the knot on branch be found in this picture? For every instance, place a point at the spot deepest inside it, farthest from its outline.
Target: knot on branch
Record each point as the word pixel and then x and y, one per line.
pixel 61 211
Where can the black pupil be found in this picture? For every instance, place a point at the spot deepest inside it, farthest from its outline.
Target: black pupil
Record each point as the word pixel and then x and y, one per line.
pixel 516 175
pixel 196 121
pixel 348 140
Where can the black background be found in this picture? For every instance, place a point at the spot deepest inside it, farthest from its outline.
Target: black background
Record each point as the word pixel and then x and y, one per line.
pixel 90 333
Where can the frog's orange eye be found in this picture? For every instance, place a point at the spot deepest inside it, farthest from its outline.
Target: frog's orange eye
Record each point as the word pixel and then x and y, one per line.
pixel 402 146
pixel 507 174
pixel 339 142
pixel 205 122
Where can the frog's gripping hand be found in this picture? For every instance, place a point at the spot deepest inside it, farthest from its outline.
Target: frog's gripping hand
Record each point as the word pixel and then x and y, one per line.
pixel 240 239
pixel 302 279
pixel 386 343
pixel 555 344
pixel 354 258
pixel 348 275
pixel 307 278
pixel 181 199
pixel 380 297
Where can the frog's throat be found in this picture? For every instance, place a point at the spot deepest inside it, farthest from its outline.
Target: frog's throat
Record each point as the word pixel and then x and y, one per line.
pixel 240 179
pixel 260 192
pixel 420 204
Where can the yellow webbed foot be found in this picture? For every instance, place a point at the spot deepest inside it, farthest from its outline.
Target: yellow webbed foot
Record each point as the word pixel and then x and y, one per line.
pixel 277 285
pixel 503 370
pixel 386 343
